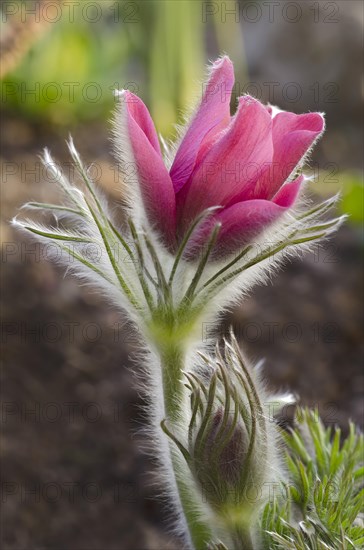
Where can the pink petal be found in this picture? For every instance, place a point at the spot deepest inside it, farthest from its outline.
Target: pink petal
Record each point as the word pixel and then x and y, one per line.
pixel 155 183
pixel 293 135
pixel 212 115
pixel 288 193
pixel 233 164
pixel 243 221
pixel 139 112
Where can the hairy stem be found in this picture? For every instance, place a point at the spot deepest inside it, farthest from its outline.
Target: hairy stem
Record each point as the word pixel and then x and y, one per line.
pixel 172 359
pixel 242 538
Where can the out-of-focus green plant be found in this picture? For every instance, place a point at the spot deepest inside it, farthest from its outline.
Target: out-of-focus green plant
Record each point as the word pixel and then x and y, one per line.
pixel 352 200
pixel 350 186
pixel 71 70
pixel 176 59
pixel 324 505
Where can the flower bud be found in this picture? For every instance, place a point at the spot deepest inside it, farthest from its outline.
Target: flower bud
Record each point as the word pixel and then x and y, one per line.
pixel 231 448
pixel 219 466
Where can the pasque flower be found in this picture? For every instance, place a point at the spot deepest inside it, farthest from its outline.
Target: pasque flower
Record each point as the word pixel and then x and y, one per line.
pixel 246 164
pixel 223 184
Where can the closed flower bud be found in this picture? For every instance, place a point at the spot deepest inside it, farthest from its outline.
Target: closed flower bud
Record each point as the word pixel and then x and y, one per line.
pixel 231 449
pixel 219 466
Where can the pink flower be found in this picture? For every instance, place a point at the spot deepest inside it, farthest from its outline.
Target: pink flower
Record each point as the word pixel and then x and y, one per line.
pixel 243 163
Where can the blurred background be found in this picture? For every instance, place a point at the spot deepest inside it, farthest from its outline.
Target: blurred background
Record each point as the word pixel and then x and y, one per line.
pixel 74 473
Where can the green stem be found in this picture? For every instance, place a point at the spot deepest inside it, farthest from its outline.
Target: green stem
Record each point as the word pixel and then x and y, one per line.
pixel 172 359
pixel 242 538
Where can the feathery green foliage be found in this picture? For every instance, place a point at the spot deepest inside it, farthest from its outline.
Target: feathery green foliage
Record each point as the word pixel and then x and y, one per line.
pixel 323 508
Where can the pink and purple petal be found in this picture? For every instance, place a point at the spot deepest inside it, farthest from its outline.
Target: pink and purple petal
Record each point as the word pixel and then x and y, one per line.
pixel 140 114
pixel 244 221
pixel 293 136
pixel 233 164
pixel 213 114
pixel 155 183
pixel 287 195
